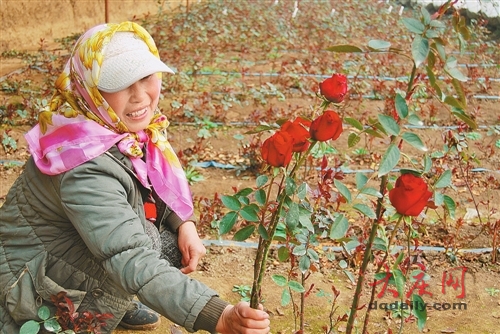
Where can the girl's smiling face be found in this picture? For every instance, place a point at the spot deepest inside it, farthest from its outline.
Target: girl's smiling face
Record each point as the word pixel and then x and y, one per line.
pixel 135 105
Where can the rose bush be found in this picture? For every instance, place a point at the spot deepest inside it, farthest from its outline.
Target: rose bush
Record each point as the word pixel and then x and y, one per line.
pixel 303 214
pixel 284 152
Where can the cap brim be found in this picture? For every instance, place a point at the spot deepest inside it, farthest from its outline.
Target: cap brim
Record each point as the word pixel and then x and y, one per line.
pixel 126 69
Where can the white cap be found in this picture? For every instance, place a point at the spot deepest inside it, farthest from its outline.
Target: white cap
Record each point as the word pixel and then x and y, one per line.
pixel 127 59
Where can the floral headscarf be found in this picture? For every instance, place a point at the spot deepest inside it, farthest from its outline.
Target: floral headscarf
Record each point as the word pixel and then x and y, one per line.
pixel 79 125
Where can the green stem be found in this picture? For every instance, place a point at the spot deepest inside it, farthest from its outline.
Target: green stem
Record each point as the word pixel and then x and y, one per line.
pixel 264 245
pixel 372 294
pixel 263 251
pixel 366 258
pixel 410 82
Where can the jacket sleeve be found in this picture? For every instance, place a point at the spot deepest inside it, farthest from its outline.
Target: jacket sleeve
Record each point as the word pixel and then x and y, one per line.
pixel 99 199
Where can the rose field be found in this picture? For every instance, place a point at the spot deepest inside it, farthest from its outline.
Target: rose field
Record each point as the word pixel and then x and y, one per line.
pixel 344 157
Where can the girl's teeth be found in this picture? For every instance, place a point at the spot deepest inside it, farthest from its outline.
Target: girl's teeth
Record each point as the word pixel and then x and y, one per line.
pixel 137 113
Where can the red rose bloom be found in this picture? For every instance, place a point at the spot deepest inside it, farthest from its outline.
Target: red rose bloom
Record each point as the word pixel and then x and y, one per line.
pixel 299 133
pixel 327 126
pixel 277 149
pixel 334 89
pixel 409 195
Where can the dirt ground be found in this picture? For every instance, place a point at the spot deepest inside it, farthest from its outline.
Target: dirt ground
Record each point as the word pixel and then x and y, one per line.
pixel 228 266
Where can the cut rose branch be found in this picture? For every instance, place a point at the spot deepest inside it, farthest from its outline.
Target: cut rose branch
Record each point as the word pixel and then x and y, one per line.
pixel 280 196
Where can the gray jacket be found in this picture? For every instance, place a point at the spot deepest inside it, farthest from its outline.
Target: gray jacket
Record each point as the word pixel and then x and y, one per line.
pixel 83 232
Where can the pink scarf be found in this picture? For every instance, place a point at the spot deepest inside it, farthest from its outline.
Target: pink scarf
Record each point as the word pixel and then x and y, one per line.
pixel 79 125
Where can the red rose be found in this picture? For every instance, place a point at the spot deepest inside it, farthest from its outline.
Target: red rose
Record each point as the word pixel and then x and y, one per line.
pixel 327 126
pixel 299 133
pixel 277 149
pixel 334 89
pixel 409 195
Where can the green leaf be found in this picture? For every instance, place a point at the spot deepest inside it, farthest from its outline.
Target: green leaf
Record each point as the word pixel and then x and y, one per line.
pixel 231 202
pixel 419 311
pixel 261 180
pixel 365 210
pixel 296 286
pixel 401 106
pixel 344 48
pixel 305 220
pixel 465 118
pixel 302 191
pixel 292 216
pixel 456 74
pixel 283 254
pixel 426 17
pixel 344 191
pixel 427 164
pixel 414 140
pixel 371 192
pixel 244 192
pixel 263 232
pixel 44 312
pixel 350 276
pixel 444 180
pixel 379 45
pixel 399 280
pixel 227 222
pixel 380 244
pixel 285 297
pixel 450 205
pixel 313 255
pixel 431 33
pixel 389 160
pixel 249 213
pixel 244 233
pixel 353 139
pixel 361 180
pixel 413 25
pixel 431 61
pixel 440 50
pixel 389 124
pixel 304 264
pixel 280 280
pixel 52 325
pixel 460 92
pixel 260 196
pixel 354 122
pixel 419 50
pixel 399 259
pixel 438 198
pixel 299 250
pixel 339 227
pixel 437 24
pixel 290 186
pixel 30 327
pixel 374 133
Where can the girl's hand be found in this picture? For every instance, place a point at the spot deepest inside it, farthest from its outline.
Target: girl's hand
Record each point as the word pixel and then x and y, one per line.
pixel 191 247
pixel 242 319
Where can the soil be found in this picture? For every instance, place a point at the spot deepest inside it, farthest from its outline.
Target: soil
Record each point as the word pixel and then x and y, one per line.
pixel 230 265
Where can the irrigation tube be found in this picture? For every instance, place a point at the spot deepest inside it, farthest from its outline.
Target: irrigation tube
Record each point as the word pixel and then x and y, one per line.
pixel 322 76
pixel 215 164
pixel 254 245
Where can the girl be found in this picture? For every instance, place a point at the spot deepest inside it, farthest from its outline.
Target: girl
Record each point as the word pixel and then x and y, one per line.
pixel 74 221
